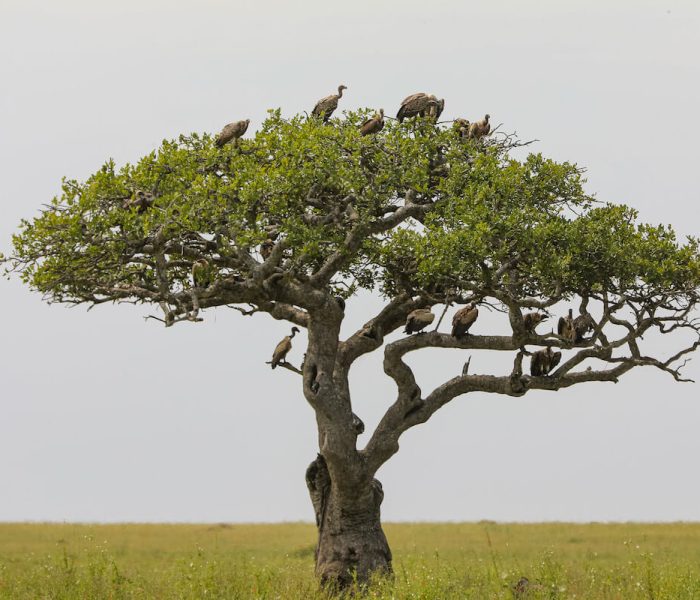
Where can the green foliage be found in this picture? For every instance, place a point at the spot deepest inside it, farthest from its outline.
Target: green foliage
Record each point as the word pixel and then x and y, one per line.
pixel 311 183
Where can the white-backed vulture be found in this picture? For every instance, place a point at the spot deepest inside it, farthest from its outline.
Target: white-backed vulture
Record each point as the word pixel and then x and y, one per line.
pixel 463 319
pixel 373 125
pixel 582 325
pixel 479 129
pixel 266 249
pixel 532 320
pixel 141 201
pixel 418 319
pixel 416 104
pixel 283 348
pixel 325 106
pixel 565 327
pixel 461 126
pixel 544 361
pixel 232 131
pixel 201 275
pixel 435 109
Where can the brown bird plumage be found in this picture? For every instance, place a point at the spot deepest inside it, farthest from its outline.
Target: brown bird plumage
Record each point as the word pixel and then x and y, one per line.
pixel 532 320
pixel 201 277
pixel 463 319
pixel 418 319
pixel 373 125
pixel 435 110
pixel 416 104
pixel 479 129
pixel 565 327
pixel 283 348
pixel 232 131
pixel 461 126
pixel 544 361
pixel 266 249
pixel 582 325
pixel 325 106
pixel 141 201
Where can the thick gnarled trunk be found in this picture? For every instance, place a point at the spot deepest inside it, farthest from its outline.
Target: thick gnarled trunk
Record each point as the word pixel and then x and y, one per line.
pixel 351 543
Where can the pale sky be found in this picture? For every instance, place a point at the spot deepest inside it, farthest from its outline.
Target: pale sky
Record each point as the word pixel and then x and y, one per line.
pixel 107 417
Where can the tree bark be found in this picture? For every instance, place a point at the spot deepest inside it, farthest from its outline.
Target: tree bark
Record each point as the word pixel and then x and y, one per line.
pixel 351 543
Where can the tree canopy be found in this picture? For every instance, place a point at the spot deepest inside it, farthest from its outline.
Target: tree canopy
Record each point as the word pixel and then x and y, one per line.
pixel 295 220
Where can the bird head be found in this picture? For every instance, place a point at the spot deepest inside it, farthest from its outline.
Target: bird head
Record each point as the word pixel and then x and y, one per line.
pixel 381 113
pixel 487 117
pixel 295 330
pixel 342 87
pixel 247 122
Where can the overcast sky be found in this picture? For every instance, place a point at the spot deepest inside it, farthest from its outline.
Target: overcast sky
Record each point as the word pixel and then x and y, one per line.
pixel 107 417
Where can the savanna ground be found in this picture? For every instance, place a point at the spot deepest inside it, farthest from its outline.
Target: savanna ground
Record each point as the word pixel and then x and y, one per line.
pixel 431 561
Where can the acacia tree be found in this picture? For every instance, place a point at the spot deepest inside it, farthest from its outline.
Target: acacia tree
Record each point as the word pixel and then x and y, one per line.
pixel 299 218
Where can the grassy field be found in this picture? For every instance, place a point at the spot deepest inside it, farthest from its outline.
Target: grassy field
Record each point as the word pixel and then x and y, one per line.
pixel 432 561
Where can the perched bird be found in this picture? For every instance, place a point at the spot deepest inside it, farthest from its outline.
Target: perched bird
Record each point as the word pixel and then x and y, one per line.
pixel 201 276
pixel 461 126
pixel 544 361
pixel 325 106
pixel 582 325
pixel 479 129
pixel 232 131
pixel 463 319
pixel 435 110
pixel 418 319
pixel 266 249
pixel 416 104
pixel 141 201
pixel 283 348
pixel 565 327
pixel 532 320
pixel 373 125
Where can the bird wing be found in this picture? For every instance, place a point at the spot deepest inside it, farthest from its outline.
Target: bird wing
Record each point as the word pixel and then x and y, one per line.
pixel 412 97
pixel 226 134
pixel 281 349
pixel 555 360
pixel 329 103
pixel 471 316
pixel 561 325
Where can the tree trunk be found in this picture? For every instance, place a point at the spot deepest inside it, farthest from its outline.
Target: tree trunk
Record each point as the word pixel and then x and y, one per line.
pixel 351 543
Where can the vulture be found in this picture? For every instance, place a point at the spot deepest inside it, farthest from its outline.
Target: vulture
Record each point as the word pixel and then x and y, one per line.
pixel 232 131
pixel 373 125
pixel 479 129
pixel 464 318
pixel 141 200
pixel 418 319
pixel 544 361
pixel 582 325
pixel 565 327
pixel 200 273
pixel 325 106
pixel 266 249
pixel 417 104
pixel 461 126
pixel 532 320
pixel 435 110
pixel 283 348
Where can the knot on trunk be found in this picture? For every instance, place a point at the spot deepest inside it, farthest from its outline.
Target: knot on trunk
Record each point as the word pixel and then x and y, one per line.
pixel 318 480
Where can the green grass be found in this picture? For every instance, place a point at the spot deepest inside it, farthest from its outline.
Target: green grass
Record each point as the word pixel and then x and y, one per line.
pixel 431 561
